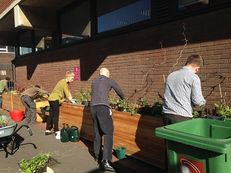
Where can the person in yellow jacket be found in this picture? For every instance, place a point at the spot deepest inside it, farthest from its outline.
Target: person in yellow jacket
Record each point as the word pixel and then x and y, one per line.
pixel 57 96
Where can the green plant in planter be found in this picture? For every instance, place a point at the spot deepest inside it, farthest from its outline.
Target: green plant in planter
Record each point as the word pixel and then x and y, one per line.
pixel 144 107
pixel 143 102
pixel 156 108
pixel 223 110
pixel 113 102
pixel 132 108
pixel 198 111
pixel 121 105
pixel 83 97
pixel 36 165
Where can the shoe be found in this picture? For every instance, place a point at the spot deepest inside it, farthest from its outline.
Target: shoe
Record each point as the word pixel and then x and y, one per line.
pixel 105 166
pixel 96 158
pixel 48 132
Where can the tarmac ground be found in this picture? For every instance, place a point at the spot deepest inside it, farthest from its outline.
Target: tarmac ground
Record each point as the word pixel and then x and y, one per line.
pixel 71 157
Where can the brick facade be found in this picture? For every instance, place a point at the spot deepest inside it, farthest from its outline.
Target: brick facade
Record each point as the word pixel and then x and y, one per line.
pixel 4 4
pixel 6 58
pixel 137 61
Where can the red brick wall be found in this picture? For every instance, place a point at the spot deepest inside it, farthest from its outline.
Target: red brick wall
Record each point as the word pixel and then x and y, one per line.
pixel 137 61
pixel 6 58
pixel 4 4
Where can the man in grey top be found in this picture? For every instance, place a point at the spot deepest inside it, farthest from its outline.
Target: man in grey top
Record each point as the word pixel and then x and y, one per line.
pixel 182 91
pixel 101 114
pixel 27 98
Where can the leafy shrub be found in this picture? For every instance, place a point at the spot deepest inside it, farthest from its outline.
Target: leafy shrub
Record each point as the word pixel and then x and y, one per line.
pixel 142 107
pixel 145 108
pixel 83 97
pixel 199 112
pixel 223 110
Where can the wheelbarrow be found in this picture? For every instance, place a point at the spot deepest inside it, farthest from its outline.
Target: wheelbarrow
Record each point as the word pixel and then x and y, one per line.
pixel 10 140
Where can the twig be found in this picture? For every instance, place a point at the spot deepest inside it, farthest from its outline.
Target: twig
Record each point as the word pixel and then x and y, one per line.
pixel 182 50
pixel 146 84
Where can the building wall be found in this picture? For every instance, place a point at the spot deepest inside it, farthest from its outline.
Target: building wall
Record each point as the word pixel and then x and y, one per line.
pixel 140 61
pixel 6 58
pixel 6 65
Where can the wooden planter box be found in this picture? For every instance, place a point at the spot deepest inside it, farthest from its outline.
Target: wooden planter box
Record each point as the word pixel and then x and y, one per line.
pixel 11 102
pixel 135 132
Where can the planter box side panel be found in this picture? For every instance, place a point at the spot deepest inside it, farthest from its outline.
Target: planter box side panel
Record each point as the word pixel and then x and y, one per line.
pixel 12 102
pixel 135 132
pixel 78 116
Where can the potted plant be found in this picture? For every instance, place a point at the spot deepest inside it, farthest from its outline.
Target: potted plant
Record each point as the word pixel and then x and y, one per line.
pixel 37 164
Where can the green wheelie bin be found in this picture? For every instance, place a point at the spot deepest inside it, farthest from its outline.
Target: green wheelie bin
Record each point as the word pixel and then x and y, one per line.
pixel 198 146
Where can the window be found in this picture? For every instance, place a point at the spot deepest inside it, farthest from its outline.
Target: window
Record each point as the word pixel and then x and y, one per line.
pixel 6 49
pixel 3 49
pixel 186 3
pixel 24 50
pixel 115 14
pixel 75 23
pixel 25 42
pixel 43 40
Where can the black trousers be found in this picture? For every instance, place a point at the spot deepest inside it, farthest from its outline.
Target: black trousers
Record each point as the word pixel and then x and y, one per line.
pixel 171 119
pixel 53 118
pixel 103 127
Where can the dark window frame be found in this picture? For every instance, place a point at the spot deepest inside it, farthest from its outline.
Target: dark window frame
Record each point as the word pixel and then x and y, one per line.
pixel 174 15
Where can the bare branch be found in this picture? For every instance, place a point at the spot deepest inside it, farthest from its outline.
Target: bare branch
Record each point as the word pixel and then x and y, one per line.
pixel 182 50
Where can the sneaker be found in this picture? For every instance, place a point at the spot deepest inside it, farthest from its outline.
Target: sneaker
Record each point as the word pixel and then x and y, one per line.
pixel 105 166
pixel 96 157
pixel 48 132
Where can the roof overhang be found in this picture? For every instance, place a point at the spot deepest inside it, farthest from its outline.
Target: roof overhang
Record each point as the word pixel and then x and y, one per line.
pixel 29 15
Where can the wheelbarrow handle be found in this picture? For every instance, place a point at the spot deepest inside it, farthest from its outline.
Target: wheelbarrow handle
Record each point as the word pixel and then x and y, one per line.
pixel 29 131
pixel 26 126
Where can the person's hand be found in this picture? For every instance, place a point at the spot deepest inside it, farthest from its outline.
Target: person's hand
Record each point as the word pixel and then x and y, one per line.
pixel 63 100
pixel 73 101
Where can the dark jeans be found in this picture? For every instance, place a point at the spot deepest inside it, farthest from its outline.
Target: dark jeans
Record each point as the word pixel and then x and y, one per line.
pixel 30 106
pixel 171 118
pixel 103 126
pixel 53 118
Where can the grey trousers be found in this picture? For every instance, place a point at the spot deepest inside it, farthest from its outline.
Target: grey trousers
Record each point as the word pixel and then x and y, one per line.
pixel 103 127
pixel 30 106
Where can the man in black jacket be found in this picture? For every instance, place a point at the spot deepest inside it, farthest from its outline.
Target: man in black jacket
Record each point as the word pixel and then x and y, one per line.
pixel 102 116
